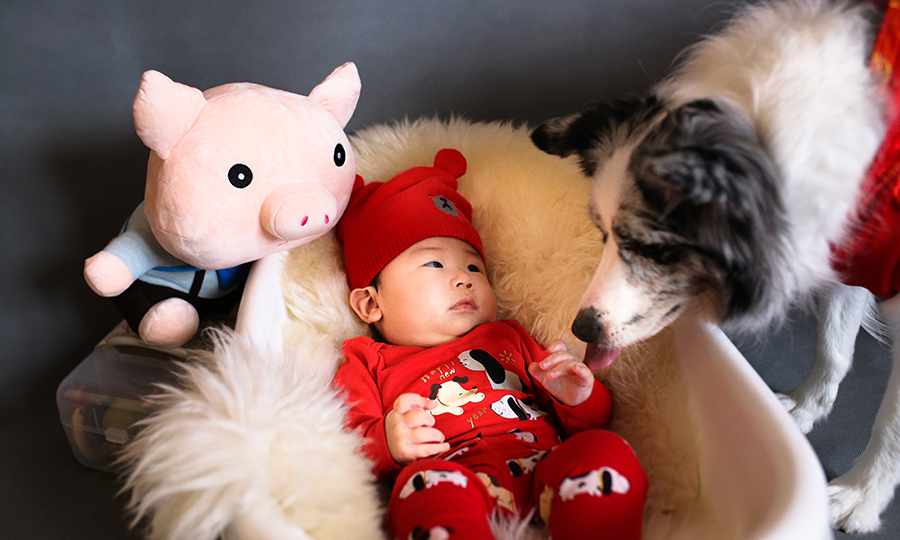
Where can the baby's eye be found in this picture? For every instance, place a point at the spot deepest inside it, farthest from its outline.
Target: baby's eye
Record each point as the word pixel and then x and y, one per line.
pixel 473 268
pixel 434 264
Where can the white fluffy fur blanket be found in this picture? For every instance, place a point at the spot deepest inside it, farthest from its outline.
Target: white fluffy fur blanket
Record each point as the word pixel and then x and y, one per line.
pixel 252 445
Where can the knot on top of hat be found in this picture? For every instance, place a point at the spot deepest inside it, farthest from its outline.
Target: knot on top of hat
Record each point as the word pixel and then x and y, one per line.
pixel 451 161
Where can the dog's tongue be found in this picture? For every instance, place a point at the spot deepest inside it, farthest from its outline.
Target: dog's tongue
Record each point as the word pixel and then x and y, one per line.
pixel 597 357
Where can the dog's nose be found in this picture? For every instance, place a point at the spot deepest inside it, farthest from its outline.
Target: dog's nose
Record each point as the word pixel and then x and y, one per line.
pixel 587 326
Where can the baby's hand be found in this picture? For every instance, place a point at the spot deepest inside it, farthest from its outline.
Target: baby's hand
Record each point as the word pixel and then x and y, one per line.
pixel 568 379
pixel 409 432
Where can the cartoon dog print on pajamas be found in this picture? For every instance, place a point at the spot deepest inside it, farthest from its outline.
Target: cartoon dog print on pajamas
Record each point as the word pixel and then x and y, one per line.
pixel 503 496
pixel 457 453
pixel 523 466
pixel 426 479
pixel 525 436
pixel 545 501
pixel 479 360
pixel 451 396
pixel 511 407
pixel 599 482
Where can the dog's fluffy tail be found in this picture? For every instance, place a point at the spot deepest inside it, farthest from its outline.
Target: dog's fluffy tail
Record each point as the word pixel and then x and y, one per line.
pixel 242 434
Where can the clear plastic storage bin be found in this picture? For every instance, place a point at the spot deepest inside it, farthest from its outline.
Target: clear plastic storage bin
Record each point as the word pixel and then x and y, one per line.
pixel 101 400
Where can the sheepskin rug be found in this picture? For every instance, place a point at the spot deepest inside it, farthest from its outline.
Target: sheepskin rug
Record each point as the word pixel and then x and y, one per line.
pixel 252 445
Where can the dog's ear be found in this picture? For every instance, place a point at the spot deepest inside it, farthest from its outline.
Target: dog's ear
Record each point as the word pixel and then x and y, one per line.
pixel 721 195
pixel 708 150
pixel 590 132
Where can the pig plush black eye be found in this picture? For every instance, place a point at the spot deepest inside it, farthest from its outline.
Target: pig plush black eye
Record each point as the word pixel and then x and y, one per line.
pixel 340 156
pixel 240 175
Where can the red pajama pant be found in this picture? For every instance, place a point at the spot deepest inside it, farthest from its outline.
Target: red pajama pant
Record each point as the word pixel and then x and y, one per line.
pixel 590 486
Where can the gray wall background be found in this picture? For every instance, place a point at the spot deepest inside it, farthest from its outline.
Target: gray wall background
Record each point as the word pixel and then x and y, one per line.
pixel 73 168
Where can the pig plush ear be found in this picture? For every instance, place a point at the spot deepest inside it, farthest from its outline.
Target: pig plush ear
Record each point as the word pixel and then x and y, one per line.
pixel 339 92
pixel 164 111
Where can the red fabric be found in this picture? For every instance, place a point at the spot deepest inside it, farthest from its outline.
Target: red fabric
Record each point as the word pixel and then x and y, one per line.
pixel 460 506
pixel 590 486
pixel 382 219
pixel 870 257
pixel 374 374
pixel 574 471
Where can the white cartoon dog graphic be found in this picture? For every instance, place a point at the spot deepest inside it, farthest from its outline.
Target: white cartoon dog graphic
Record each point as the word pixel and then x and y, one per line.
pixel 510 406
pixel 522 466
pixel 479 360
pixel 451 396
pixel 425 479
pixel 599 482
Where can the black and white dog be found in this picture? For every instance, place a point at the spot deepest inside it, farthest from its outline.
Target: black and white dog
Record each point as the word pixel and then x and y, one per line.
pixel 730 183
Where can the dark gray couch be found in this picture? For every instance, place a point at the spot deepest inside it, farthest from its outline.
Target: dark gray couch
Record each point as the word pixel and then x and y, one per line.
pixel 73 169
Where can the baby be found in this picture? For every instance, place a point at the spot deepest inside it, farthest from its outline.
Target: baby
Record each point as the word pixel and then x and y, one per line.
pixel 466 411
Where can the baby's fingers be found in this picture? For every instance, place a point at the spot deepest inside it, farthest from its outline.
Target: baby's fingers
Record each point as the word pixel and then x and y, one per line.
pixel 558 346
pixel 426 442
pixel 570 367
pixel 409 402
pixel 417 418
pixel 426 435
pixel 430 404
pixel 427 450
pixel 580 370
pixel 556 359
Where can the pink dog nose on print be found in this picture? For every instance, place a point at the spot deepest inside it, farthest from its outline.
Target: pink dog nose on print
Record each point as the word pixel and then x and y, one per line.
pixel 295 211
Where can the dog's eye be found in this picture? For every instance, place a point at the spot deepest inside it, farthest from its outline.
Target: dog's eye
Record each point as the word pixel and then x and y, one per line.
pixel 660 254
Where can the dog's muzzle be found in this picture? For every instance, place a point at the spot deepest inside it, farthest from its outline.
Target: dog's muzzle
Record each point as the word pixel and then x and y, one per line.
pixel 587 326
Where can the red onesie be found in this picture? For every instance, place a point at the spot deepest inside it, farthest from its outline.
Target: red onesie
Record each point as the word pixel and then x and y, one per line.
pixel 504 430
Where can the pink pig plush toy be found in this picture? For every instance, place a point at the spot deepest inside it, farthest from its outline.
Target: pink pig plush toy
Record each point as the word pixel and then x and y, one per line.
pixel 236 173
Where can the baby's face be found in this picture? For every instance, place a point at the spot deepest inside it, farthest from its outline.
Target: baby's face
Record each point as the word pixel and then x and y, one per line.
pixel 434 292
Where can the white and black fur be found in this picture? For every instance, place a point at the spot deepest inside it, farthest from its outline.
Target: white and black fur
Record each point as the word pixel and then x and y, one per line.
pixel 730 182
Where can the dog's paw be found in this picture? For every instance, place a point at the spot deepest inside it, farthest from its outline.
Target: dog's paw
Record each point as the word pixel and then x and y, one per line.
pixel 804 416
pixel 853 510
pixel 809 403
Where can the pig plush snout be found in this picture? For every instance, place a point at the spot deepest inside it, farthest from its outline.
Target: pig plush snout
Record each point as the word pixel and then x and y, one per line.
pixel 300 210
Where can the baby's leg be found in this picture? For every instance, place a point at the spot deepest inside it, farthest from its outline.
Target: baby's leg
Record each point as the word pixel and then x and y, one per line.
pixel 438 499
pixel 591 486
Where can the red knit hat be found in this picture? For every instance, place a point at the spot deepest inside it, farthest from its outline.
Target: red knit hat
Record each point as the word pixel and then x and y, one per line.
pixel 384 218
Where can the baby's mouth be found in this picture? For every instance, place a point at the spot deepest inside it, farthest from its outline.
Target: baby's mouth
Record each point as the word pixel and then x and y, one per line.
pixel 466 304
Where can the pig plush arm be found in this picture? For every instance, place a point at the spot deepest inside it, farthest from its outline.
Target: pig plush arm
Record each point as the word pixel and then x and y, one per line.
pixel 126 258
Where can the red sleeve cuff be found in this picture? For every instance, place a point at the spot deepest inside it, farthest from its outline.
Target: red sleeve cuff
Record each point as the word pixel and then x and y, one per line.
pixel 594 413
pixel 376 449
